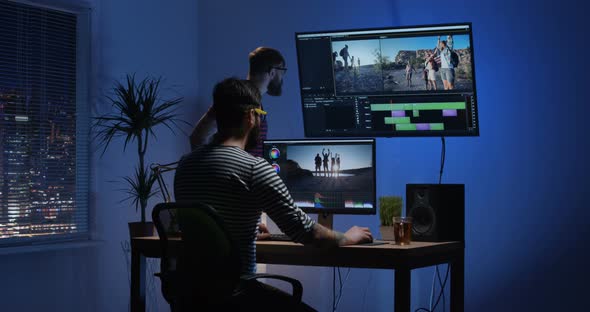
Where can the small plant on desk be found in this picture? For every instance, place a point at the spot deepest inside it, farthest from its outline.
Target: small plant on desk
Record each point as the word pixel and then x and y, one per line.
pixel 389 207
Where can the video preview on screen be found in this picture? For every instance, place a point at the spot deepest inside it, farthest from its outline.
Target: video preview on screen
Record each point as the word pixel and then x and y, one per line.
pixel 373 66
pixel 404 81
pixel 326 175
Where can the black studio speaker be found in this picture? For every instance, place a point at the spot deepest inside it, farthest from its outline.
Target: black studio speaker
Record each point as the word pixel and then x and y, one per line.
pixel 437 211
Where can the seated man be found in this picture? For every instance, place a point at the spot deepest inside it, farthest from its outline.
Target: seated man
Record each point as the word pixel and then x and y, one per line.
pixel 241 186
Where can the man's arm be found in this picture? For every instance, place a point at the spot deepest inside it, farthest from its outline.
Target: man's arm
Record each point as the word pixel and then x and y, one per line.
pixel 450 42
pixel 437 48
pixel 276 201
pixel 204 128
pixel 324 237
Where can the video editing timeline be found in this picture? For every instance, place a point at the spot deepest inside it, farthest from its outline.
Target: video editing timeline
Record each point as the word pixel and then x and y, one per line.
pixel 335 176
pixel 388 82
pixel 423 115
pixel 331 199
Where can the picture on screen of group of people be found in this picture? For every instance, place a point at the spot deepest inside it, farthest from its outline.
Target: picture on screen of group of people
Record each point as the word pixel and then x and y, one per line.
pixel 329 176
pixel 429 63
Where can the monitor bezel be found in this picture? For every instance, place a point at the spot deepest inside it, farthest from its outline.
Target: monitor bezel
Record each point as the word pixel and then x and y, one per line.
pixel 431 133
pixel 341 211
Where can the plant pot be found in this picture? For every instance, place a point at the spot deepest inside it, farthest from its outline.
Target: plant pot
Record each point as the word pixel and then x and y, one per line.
pixel 387 233
pixel 140 229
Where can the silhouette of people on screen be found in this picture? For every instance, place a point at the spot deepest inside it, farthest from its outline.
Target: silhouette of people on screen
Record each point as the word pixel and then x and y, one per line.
pixel 318 164
pixel 326 160
pixel 332 164
pixel 352 62
pixel 334 56
pixel 337 164
pixel 344 54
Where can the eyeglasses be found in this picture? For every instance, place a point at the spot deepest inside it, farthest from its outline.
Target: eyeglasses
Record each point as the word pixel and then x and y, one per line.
pixel 280 68
pixel 261 113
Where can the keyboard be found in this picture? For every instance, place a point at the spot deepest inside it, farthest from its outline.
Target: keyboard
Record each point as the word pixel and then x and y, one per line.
pixel 280 237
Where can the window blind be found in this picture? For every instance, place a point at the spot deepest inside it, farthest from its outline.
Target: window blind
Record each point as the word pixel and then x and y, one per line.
pixel 44 126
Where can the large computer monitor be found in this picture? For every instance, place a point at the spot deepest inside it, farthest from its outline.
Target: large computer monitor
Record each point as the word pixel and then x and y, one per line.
pixel 384 82
pixel 327 176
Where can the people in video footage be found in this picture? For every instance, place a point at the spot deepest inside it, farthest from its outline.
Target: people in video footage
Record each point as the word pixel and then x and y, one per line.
pixel 318 164
pixel 392 64
pixel 328 174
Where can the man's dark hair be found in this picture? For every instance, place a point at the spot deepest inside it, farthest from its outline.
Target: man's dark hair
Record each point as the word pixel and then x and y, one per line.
pixel 263 59
pixel 232 98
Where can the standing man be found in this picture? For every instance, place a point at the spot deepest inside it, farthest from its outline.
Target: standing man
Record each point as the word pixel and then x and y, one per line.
pixel 267 68
pixel 240 186
pixel 318 164
pixel 344 54
pixel 447 69
pixel 326 160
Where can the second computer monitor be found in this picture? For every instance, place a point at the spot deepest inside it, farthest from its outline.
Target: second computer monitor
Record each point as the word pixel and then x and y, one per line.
pixel 327 176
pixel 388 82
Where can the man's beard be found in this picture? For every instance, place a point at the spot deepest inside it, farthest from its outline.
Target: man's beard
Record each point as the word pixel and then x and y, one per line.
pixel 275 87
pixel 253 137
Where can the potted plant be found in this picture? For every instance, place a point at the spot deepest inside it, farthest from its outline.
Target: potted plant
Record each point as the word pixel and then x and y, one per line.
pixel 137 111
pixel 389 207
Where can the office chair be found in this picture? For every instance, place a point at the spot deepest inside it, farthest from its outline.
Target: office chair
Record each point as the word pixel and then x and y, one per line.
pixel 205 274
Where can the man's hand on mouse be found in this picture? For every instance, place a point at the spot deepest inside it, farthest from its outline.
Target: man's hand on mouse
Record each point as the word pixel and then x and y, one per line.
pixel 262 232
pixel 358 235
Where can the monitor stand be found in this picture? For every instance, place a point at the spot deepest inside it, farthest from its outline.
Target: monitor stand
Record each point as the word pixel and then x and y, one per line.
pixel 326 220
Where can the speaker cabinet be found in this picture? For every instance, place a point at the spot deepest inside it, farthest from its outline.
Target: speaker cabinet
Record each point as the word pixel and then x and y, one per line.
pixel 437 211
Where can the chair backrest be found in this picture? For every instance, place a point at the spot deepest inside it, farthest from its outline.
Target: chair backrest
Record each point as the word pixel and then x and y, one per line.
pixel 165 219
pixel 166 222
pixel 208 265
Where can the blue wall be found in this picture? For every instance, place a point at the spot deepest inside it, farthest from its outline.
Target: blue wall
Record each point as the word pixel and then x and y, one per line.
pixel 147 38
pixel 526 222
pixel 524 217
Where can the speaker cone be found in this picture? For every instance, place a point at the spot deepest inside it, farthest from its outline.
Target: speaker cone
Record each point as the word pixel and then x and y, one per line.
pixel 423 220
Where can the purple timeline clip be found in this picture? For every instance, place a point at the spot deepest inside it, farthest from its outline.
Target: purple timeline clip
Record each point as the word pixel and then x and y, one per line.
pixel 449 112
pixel 422 126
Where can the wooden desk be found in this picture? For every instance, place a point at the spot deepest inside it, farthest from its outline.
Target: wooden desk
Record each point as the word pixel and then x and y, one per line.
pixel 402 259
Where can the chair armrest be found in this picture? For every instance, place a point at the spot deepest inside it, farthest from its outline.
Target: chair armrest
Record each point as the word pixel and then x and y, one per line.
pixel 297 287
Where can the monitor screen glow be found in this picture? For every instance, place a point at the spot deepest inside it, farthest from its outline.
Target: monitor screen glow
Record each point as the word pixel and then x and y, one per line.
pixel 331 176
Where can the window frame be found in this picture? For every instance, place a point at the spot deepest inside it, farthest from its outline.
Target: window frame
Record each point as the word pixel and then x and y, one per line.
pixel 83 74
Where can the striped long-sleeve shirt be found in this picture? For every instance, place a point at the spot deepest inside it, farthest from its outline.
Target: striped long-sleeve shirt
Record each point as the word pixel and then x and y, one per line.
pixel 240 187
pixel 205 135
